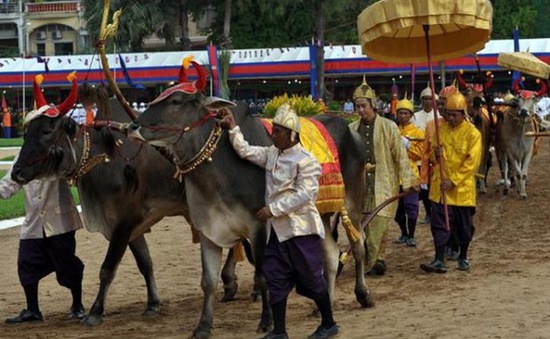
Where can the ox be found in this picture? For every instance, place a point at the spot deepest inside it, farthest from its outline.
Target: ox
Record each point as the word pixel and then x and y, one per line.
pixel 225 191
pixel 121 198
pixel 481 118
pixel 513 147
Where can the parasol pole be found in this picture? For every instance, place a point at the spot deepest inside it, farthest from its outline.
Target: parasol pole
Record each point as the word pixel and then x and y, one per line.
pixel 437 138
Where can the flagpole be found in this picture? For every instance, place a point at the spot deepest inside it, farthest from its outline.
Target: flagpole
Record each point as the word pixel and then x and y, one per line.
pixel 23 86
pixel 114 68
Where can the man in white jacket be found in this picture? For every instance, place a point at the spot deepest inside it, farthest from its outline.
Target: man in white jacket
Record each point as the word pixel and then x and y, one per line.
pixel 47 242
pixel 293 256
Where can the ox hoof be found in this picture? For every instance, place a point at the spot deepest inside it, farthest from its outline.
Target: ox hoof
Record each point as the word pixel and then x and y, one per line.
pixel 523 196
pixel 201 334
pixel 151 312
pixel 365 300
pixel 92 320
pixel 229 293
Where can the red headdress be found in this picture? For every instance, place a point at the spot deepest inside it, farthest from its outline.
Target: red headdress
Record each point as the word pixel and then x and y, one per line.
pixel 526 94
pixel 43 108
pixel 185 85
pixel 476 86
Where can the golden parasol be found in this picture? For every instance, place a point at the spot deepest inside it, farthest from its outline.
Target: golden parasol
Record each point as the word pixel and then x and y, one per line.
pixel 524 62
pixel 394 30
pixel 402 31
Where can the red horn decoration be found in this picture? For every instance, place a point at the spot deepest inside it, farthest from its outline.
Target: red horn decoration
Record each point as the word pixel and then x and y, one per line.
pixel 542 89
pixel 200 84
pixel 461 81
pixel 182 77
pixel 38 95
pixel 69 102
pixel 515 86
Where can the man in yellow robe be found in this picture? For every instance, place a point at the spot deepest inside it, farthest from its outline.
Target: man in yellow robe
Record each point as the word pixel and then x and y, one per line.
pixel 407 209
pixel 387 166
pixel 461 152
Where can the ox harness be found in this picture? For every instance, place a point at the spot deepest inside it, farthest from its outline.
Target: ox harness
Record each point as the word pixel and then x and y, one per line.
pixel 205 152
pixel 86 164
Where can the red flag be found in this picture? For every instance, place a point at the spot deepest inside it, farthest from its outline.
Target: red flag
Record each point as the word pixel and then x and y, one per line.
pixel 4 104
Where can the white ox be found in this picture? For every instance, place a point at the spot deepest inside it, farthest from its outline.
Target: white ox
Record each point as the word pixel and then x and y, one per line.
pixel 513 147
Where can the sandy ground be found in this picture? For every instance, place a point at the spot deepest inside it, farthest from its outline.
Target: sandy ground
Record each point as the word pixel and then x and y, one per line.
pixel 504 296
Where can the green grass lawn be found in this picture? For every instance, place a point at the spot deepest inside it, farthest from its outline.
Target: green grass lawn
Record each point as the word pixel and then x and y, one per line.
pixel 15 206
pixel 10 158
pixel 11 142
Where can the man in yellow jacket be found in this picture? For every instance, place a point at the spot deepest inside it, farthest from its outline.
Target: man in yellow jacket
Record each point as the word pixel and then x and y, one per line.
pixel 407 209
pixel 387 166
pixel 460 150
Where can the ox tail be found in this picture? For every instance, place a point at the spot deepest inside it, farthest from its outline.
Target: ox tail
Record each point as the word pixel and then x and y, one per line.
pixel 248 251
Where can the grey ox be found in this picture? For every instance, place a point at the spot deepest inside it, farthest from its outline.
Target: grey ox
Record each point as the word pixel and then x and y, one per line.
pixel 513 147
pixel 224 192
pixel 121 198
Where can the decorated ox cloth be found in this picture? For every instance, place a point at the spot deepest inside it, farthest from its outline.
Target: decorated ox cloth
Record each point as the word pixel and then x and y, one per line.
pixel 315 138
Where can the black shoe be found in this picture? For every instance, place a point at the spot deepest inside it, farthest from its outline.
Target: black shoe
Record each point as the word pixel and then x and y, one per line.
pixel 378 269
pixel 463 265
pixel 401 240
pixel 436 266
pixel 77 312
pixel 324 333
pixel 272 335
pixel 25 316
pixel 411 242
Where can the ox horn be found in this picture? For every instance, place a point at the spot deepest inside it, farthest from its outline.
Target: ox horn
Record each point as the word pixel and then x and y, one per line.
pixel 38 95
pixel 200 84
pixel 182 76
pixel 69 102
pixel 461 81
pixel 515 86
pixel 543 89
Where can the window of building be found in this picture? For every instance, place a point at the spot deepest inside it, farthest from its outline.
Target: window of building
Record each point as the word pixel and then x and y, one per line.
pixel 41 48
pixel 64 48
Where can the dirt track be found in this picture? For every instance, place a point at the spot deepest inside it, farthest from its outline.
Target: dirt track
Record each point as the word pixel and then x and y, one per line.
pixel 504 296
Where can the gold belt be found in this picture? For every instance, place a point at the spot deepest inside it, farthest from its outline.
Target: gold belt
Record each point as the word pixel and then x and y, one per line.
pixel 370 168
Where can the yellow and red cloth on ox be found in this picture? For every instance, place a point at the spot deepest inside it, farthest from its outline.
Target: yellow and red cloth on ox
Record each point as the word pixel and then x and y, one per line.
pixel 315 138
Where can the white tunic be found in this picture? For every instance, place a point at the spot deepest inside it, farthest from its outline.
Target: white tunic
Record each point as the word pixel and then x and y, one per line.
pixel 421 118
pixel 292 185
pixel 49 205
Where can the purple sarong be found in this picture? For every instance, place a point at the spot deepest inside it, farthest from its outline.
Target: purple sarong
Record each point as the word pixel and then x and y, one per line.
pixel 294 262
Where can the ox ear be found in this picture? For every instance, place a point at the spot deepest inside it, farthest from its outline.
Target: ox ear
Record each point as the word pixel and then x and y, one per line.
pixel 215 103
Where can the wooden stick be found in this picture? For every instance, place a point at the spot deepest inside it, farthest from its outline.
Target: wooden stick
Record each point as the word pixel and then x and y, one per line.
pixel 537 134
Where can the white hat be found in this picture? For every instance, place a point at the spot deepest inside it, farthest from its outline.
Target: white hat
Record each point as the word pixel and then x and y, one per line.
pixel 427 92
pixel 287 118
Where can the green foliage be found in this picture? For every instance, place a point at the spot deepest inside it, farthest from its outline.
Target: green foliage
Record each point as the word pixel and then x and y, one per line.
pixel 509 14
pixel 14 142
pixel 282 23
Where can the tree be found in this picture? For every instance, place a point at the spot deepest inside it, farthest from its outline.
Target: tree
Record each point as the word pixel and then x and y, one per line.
pixel 509 14
pixel 140 19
